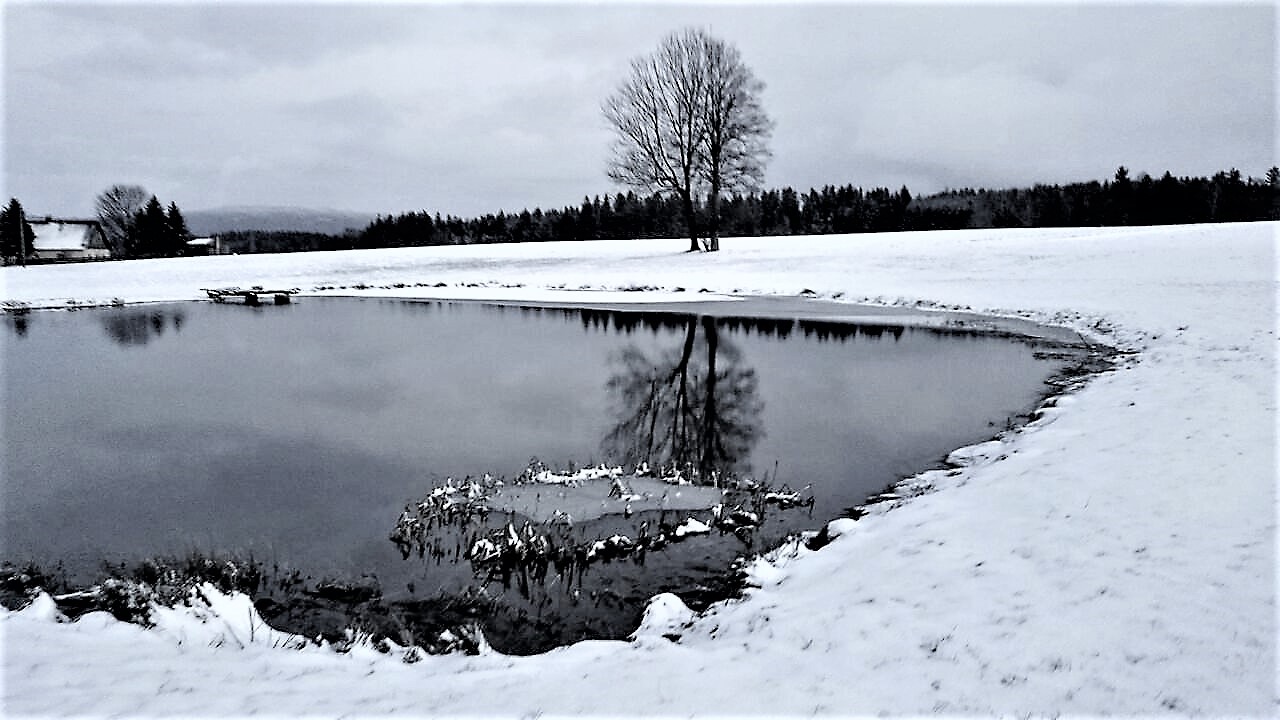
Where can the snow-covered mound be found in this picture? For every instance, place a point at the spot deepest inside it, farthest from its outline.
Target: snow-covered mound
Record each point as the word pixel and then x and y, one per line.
pixel 1116 556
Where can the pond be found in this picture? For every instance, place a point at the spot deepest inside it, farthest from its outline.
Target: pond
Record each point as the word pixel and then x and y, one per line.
pixel 297 434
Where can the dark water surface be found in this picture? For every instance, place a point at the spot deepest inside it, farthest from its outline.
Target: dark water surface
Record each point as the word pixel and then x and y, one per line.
pixel 298 433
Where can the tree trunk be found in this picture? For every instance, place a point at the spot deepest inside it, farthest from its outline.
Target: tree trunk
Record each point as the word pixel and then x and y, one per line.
pixel 690 220
pixel 713 206
pixel 713 231
pixel 680 419
pixel 710 420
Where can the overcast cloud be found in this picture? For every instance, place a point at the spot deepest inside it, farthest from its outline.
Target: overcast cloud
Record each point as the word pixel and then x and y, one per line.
pixel 472 109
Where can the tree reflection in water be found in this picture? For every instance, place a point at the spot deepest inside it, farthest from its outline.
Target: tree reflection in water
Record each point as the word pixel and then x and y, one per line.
pixel 139 327
pixel 19 322
pixel 694 408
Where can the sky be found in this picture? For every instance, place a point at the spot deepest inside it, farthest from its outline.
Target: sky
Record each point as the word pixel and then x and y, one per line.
pixel 472 108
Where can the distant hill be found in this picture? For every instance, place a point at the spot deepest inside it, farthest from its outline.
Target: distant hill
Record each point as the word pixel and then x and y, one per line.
pixel 275 219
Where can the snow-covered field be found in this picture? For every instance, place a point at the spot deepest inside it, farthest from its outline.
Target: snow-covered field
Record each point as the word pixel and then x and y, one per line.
pixel 1116 556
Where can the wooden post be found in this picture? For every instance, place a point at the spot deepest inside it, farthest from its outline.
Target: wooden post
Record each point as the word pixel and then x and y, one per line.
pixel 22 237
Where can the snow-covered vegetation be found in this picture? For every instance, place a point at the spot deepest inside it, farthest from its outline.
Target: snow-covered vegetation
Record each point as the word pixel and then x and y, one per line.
pixel 1117 555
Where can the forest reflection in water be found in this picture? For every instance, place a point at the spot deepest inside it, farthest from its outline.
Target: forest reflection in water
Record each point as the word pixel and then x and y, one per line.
pixel 694 405
pixel 139 327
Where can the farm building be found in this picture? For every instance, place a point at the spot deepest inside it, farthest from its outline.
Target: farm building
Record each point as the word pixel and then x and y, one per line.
pixel 204 246
pixel 68 240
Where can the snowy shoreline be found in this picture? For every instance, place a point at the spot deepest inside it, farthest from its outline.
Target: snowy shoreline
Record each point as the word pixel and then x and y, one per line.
pixel 1058 571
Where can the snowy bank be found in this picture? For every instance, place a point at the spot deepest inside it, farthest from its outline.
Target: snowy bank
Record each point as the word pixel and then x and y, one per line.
pixel 1117 556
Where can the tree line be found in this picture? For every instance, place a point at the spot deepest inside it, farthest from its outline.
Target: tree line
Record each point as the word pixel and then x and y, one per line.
pixel 147 230
pixel 1225 197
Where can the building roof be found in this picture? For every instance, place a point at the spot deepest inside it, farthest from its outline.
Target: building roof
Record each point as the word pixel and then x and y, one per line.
pixel 62 235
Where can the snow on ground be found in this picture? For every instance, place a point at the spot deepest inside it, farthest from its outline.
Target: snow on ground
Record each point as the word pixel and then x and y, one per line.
pixel 1117 556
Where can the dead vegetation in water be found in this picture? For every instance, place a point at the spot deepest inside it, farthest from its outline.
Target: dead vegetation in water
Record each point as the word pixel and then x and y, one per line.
pixel 452 522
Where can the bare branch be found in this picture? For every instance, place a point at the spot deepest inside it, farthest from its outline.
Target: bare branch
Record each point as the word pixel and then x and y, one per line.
pixel 117 207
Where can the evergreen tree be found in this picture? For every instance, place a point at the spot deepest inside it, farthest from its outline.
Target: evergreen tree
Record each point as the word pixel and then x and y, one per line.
pixel 791 221
pixel 605 218
pixel 587 220
pixel 541 224
pixel 1230 202
pixel 177 230
pixel 1273 188
pixel 151 230
pixel 1120 195
pixel 523 231
pixel 811 213
pixel 770 212
pixel 17 241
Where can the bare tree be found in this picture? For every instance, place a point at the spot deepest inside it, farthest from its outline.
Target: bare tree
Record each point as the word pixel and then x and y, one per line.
pixel 659 116
pixel 735 147
pixel 688 119
pixel 118 206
